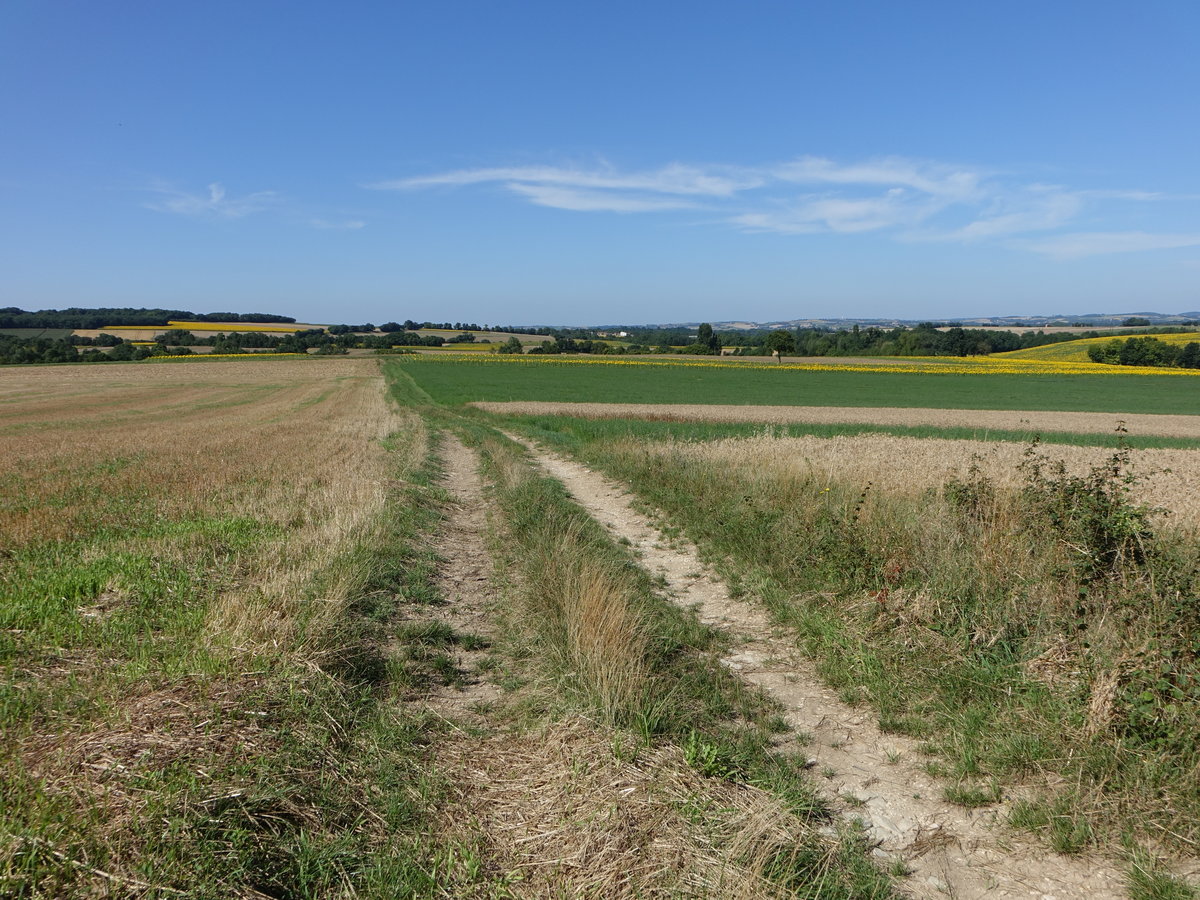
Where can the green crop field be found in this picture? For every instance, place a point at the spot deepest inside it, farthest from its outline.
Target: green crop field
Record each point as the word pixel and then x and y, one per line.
pixel 457 382
pixel 46 333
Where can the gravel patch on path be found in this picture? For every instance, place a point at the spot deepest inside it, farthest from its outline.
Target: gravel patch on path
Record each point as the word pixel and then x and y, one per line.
pixel 1007 420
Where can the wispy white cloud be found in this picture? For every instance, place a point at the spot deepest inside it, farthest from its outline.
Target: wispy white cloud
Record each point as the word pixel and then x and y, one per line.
pixel 933 179
pixel 595 201
pixel 1018 211
pixel 1075 246
pixel 895 208
pixel 672 179
pixel 216 202
pixel 326 225
pixel 906 199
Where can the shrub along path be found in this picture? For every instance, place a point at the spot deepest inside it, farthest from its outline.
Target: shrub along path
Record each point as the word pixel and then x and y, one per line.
pixel 876 777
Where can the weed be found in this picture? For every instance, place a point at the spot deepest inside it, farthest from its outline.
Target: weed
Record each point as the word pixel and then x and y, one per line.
pixel 972 796
pixel 1148 879
pixel 710 759
pixel 1058 820
pixel 1093 515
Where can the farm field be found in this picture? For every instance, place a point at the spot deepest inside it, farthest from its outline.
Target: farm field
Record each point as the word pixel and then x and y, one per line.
pixel 244 652
pixel 169 677
pixel 294 626
pixel 49 334
pixel 449 380
pixel 981 421
pixel 1076 351
pixel 1020 611
pixel 486 337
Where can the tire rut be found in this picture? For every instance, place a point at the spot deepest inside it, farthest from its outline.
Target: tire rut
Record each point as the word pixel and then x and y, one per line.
pixel 877 778
pixel 464 581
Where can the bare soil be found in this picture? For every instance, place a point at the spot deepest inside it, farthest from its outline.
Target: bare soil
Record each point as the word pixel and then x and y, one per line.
pixel 877 778
pixel 464 581
pixel 1008 420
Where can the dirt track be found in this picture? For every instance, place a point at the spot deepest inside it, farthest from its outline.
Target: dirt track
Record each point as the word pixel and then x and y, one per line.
pixel 949 851
pixel 464 581
pixel 1007 420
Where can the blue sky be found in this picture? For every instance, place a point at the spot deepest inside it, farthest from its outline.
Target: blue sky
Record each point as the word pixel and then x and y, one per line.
pixel 586 163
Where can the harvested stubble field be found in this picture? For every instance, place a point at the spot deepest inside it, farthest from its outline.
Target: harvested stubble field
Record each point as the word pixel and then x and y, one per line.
pixel 183 648
pixel 1167 480
pixel 982 419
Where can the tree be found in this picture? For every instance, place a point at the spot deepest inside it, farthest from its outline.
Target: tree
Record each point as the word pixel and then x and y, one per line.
pixel 707 339
pixel 1189 357
pixel 780 342
pixel 512 345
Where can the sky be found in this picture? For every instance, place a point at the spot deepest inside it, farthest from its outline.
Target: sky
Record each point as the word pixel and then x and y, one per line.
pixel 601 163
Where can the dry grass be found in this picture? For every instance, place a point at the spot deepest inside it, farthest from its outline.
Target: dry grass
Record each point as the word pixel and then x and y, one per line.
pixel 585 605
pixel 1007 420
pixel 569 812
pixel 942 607
pixel 906 466
pixel 606 640
pixel 102 765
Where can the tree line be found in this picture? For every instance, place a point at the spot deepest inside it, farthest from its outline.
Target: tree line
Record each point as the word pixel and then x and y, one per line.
pixel 113 317
pixel 1146 351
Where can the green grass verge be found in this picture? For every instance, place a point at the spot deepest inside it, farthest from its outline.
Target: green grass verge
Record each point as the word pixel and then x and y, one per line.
pixel 592 430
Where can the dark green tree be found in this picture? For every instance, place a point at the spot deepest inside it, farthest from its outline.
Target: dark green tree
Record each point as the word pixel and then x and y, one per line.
pixel 707 339
pixel 512 345
pixel 780 342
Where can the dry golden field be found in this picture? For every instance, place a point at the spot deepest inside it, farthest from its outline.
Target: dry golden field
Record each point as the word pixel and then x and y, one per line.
pixel 1007 420
pixel 294 443
pixel 911 466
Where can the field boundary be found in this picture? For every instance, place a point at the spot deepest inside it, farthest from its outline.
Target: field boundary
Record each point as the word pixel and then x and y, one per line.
pixel 1163 425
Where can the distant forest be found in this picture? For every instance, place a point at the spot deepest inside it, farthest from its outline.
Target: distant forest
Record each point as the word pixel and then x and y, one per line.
pixel 925 339
pixel 112 317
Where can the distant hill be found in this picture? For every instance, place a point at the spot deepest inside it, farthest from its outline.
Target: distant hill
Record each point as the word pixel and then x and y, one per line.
pixel 1090 320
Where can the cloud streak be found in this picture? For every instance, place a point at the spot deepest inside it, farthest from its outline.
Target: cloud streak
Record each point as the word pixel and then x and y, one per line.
pixel 215 203
pixel 1079 245
pixel 904 199
pixel 348 225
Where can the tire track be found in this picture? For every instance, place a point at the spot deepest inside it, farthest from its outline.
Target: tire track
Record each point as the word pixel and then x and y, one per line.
pixel 878 778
